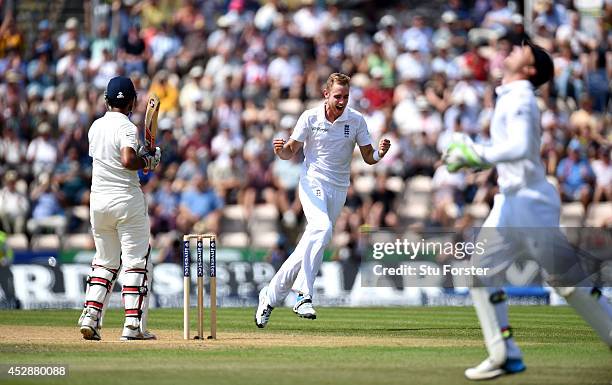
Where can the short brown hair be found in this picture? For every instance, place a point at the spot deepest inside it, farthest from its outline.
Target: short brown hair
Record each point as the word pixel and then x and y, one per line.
pixel 338 78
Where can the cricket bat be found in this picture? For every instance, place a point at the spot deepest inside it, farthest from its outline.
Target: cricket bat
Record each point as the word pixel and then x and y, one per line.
pixel 150 123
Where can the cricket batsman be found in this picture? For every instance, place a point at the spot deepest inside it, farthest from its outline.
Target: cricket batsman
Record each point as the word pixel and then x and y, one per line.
pixel 526 206
pixel 328 134
pixel 119 218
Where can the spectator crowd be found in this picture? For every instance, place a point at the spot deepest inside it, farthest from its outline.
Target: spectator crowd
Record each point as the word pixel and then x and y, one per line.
pixel 232 75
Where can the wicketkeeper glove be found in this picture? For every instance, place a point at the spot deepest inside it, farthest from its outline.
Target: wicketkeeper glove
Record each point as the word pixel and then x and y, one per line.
pixel 462 152
pixel 151 158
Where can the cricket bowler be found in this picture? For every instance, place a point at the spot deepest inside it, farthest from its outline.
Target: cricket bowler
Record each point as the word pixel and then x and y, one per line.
pixel 526 205
pixel 119 218
pixel 328 134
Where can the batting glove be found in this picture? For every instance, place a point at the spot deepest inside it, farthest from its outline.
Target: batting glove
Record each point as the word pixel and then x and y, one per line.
pixel 151 158
pixel 462 152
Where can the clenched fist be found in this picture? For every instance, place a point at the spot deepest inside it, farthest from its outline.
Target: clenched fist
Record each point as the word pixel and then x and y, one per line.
pixel 383 147
pixel 278 145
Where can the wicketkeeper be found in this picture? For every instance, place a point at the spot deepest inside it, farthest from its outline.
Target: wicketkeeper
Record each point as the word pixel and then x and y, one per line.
pixel 119 218
pixel 524 220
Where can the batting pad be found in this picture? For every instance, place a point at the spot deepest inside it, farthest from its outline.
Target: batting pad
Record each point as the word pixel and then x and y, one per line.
pixel 134 293
pixel 99 286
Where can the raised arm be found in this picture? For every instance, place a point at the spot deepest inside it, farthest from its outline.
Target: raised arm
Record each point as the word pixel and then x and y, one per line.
pixel 371 156
pixel 462 152
pixel 516 147
pixel 286 150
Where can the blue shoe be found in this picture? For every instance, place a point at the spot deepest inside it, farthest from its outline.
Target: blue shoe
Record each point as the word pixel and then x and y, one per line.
pixel 514 365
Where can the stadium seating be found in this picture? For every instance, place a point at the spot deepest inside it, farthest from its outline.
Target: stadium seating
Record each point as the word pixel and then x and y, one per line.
pixel 599 214
pixel 45 242
pixel 17 241
pixel 572 214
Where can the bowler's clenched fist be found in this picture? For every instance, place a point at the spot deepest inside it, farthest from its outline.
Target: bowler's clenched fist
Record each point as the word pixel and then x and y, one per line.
pixel 383 147
pixel 278 145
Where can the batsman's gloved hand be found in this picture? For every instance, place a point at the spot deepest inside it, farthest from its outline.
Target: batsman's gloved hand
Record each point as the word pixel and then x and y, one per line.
pixel 151 158
pixel 462 152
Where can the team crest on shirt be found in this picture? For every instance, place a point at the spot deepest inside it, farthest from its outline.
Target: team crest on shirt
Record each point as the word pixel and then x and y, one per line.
pixel 347 130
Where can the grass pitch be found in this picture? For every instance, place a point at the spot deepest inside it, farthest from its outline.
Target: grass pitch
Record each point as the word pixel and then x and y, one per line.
pixel 353 346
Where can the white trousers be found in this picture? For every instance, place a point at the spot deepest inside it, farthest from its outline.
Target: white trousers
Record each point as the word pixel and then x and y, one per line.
pixel 522 226
pixel 322 203
pixel 505 233
pixel 120 228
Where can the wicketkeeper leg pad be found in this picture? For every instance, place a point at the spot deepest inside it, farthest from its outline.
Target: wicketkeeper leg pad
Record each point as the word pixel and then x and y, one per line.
pixel 492 310
pixel 593 307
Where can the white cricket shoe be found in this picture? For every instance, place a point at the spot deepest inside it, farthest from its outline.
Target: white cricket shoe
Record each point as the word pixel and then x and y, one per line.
pixel 82 317
pixel 488 369
pixel 264 310
pixel 131 331
pixel 88 323
pixel 303 307
pixel 136 335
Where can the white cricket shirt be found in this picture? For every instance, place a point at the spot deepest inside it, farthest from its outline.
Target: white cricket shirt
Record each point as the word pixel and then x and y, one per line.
pixel 516 137
pixel 107 136
pixel 328 147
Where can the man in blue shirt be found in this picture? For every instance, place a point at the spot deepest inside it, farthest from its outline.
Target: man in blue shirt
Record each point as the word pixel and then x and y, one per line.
pixel 199 204
pixel 575 175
